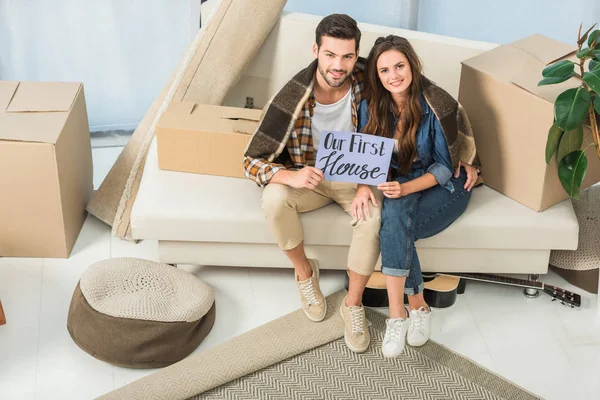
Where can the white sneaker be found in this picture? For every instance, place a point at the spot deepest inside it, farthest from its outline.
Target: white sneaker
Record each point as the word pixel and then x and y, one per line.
pixel 420 327
pixel 395 336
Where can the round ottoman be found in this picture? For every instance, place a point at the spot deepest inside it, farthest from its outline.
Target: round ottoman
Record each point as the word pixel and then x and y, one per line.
pixel 139 313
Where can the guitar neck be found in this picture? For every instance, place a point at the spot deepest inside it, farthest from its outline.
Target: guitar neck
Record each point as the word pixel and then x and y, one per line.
pixel 499 279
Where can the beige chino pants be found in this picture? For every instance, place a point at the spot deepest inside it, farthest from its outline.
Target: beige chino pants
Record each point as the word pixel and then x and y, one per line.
pixel 282 203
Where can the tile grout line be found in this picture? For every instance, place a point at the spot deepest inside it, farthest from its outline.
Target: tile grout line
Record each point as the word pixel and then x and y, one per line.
pixel 251 288
pixel 37 357
pixel 562 347
pixel 487 348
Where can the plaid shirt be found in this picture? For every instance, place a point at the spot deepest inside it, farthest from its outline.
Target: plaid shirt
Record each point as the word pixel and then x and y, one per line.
pixel 300 143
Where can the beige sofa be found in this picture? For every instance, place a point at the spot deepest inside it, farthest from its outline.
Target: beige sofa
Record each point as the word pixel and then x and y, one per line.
pixel 209 220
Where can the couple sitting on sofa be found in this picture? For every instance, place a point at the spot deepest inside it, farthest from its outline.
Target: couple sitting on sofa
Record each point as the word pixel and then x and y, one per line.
pixel 432 172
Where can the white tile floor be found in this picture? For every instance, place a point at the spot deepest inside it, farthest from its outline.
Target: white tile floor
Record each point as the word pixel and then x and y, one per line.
pixel 549 349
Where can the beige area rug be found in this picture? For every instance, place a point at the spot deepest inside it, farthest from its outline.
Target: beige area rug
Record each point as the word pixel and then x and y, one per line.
pixel 212 64
pixel 293 358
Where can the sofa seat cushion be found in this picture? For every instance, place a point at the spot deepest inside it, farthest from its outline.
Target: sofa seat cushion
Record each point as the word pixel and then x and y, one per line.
pixel 178 206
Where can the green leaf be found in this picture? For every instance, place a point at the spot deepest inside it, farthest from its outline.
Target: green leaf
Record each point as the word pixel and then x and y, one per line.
pixel 593 64
pixel 559 69
pixel 554 136
pixel 585 35
pixel 593 36
pixel 571 171
pixel 554 80
pixel 584 53
pixel 571 107
pixel 597 104
pixel 592 78
pixel 571 141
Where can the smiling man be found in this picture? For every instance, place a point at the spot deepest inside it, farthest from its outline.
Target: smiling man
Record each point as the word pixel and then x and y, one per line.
pixel 281 158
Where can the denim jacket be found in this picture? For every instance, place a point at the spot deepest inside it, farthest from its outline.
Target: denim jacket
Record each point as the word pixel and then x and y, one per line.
pixel 432 147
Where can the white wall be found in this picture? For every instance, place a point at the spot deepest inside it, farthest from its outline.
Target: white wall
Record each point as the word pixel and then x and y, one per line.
pixel 496 21
pixel 122 50
pixel 505 21
pixel 395 13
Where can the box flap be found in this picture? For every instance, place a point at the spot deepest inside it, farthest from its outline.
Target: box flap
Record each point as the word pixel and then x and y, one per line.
pixel 244 126
pixel 241 113
pixel 210 118
pixel 502 62
pixel 531 74
pixel 32 127
pixel 43 97
pixel 181 107
pixel 522 62
pixel 543 48
pixel 7 90
pixel 35 111
pixel 202 111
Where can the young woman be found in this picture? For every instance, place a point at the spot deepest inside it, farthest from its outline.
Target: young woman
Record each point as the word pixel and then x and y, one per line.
pixel 427 188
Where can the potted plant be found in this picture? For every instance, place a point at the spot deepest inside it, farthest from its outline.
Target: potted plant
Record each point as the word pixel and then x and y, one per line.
pixel 572 109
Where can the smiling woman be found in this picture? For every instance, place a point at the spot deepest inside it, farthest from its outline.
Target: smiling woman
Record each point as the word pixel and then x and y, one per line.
pixel 428 188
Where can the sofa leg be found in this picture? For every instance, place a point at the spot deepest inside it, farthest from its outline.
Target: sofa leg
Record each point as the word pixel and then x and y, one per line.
pixel 462 285
pixel 532 293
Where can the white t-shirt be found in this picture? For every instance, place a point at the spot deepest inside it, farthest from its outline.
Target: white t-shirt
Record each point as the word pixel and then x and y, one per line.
pixel 332 117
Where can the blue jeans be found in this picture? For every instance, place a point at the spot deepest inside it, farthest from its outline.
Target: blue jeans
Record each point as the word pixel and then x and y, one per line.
pixel 413 217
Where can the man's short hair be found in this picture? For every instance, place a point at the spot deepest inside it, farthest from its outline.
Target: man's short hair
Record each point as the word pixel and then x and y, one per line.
pixel 339 26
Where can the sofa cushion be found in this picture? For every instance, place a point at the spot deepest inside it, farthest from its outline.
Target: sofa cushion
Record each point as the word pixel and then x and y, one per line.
pixel 178 206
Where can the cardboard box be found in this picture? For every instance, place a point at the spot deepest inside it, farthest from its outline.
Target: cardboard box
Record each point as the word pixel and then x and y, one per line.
pixel 205 139
pixel 511 116
pixel 45 167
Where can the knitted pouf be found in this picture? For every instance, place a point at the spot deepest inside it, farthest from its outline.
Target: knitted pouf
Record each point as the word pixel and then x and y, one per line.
pixel 580 267
pixel 139 313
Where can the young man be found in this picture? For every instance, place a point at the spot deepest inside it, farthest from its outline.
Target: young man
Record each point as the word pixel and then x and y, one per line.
pixel 281 158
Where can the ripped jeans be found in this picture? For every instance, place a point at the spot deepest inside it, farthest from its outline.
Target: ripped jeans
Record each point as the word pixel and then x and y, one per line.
pixel 416 216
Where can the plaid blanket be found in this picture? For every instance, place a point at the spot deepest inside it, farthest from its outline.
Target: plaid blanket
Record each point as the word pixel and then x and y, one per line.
pixel 283 138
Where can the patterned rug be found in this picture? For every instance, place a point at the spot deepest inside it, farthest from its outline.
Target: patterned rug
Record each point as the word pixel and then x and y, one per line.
pixel 294 358
pixel 332 371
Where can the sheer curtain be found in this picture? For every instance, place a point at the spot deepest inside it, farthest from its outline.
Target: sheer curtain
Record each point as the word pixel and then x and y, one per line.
pixel 123 51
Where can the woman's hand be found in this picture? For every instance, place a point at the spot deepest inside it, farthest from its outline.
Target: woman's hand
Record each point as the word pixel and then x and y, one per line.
pixel 391 190
pixel 472 174
pixel 360 204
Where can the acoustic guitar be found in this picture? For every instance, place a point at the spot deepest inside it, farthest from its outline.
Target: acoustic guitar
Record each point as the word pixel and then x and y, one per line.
pixel 441 289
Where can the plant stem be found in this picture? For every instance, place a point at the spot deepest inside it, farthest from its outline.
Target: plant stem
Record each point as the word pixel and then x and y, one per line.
pixel 591 112
pixel 595 130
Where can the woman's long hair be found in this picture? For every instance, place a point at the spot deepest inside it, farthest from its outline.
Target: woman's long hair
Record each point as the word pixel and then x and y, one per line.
pixel 381 103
